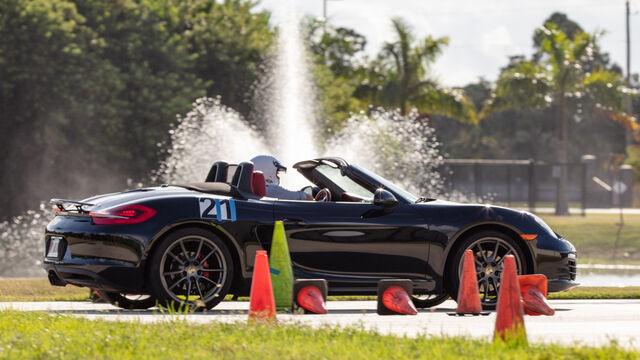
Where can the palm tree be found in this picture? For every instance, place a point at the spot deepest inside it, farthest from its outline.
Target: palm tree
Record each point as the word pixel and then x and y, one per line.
pixel 558 76
pixel 399 78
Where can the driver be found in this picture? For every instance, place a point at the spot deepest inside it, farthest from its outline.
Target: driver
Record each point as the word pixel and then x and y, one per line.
pixel 271 169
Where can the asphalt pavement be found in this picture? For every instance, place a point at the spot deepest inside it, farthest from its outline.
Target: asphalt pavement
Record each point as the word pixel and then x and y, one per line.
pixel 587 322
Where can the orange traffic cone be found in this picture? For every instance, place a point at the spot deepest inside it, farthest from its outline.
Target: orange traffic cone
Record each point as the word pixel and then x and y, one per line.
pixel 533 290
pixel 396 299
pixel 468 293
pixel 310 298
pixel 510 318
pixel 262 305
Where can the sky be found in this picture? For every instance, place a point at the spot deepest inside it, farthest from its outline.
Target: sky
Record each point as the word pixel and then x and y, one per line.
pixel 482 34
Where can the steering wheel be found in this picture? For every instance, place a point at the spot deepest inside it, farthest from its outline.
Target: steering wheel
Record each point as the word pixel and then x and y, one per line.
pixel 310 190
pixel 323 195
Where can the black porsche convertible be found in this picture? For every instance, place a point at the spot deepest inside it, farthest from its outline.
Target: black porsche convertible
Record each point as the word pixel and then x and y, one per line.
pixel 195 243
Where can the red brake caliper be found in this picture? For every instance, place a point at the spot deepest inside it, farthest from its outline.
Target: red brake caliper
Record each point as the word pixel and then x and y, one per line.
pixel 206 265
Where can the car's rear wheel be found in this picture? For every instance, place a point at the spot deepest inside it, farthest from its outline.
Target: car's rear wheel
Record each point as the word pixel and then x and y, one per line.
pixel 489 249
pixel 427 301
pixel 127 301
pixel 191 267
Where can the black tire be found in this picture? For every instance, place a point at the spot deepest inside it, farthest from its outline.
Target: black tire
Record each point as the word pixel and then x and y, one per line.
pixel 127 301
pixel 488 266
pixel 427 301
pixel 177 275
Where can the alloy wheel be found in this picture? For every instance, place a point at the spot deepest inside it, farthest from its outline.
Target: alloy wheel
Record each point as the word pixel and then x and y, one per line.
pixel 489 254
pixel 193 270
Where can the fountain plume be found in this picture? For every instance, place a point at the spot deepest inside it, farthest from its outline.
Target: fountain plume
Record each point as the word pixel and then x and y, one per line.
pixel 401 148
pixel 291 107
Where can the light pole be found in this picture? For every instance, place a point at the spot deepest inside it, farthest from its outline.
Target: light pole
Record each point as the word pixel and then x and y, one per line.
pixel 324 9
pixel 628 13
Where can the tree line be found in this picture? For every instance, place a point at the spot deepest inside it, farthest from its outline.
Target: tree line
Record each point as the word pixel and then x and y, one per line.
pixel 567 100
pixel 90 88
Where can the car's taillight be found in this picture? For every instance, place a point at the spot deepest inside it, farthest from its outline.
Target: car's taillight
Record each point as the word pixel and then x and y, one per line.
pixel 127 214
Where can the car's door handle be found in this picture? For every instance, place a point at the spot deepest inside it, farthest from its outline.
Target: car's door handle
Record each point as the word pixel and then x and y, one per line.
pixel 343 233
pixel 294 221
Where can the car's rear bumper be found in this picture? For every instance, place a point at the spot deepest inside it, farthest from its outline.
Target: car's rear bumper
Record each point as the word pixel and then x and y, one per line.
pixel 98 260
pixel 110 277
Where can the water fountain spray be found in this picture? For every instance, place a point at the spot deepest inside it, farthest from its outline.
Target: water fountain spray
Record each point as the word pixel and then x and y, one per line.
pixel 400 148
pixel 291 130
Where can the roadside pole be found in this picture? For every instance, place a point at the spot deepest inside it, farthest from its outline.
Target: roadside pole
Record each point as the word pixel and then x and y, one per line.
pixel 618 188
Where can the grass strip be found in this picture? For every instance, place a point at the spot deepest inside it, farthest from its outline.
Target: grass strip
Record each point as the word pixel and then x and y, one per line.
pixel 576 293
pixel 587 292
pixel 39 289
pixel 37 335
pixel 594 236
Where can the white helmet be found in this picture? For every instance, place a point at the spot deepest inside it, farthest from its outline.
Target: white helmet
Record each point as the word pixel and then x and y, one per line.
pixel 270 167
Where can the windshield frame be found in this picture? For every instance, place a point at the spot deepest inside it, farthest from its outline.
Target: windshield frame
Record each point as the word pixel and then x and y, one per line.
pixel 358 174
pixel 346 183
pixel 378 181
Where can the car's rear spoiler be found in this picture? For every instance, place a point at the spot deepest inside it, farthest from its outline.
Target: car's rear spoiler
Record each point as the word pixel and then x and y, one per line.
pixel 60 203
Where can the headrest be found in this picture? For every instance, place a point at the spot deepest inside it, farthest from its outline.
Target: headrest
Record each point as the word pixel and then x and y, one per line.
pixel 258 185
pixel 243 176
pixel 218 172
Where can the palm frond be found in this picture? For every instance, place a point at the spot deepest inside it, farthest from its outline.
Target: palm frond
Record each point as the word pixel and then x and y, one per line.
pixel 525 86
pixel 452 103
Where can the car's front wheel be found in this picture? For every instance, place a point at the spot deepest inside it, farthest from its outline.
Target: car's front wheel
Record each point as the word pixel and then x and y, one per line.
pixel 489 251
pixel 191 267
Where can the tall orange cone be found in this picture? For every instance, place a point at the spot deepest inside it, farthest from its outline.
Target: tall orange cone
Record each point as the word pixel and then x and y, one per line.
pixel 468 293
pixel 396 299
pixel 310 298
pixel 510 317
pixel 262 305
pixel 533 290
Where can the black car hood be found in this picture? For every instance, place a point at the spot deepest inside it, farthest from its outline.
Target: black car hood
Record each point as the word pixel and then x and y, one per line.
pixel 463 215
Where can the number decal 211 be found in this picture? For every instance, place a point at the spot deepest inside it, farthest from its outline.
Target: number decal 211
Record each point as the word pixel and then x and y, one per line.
pixel 218 209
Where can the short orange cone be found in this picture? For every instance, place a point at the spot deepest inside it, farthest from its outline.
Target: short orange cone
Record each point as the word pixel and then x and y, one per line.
pixel 510 317
pixel 310 298
pixel 533 290
pixel 468 293
pixel 262 305
pixel 396 299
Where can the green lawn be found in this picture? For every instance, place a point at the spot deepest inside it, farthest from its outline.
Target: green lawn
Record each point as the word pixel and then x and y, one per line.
pixel 39 289
pixel 586 292
pixel 36 335
pixel 594 236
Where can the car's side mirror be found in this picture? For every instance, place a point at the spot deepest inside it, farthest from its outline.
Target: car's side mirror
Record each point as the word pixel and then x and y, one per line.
pixel 385 199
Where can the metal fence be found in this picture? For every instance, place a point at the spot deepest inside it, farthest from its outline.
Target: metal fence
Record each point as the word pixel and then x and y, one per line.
pixel 531 184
